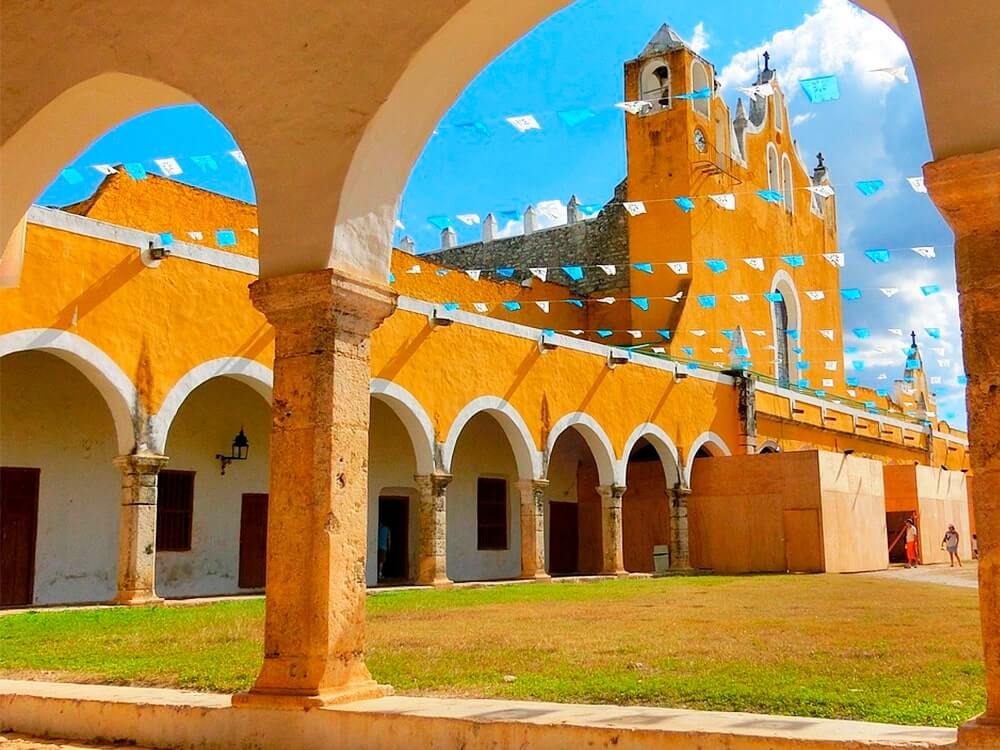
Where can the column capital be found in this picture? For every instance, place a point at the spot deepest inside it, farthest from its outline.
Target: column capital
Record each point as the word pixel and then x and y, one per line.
pixel 140 463
pixel 532 484
pixel 966 189
pixel 611 491
pixel 322 304
pixel 436 482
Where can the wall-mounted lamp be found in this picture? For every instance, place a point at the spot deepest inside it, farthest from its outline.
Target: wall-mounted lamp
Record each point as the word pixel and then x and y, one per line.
pixel 679 374
pixel 849 452
pixel 618 357
pixel 240 449
pixel 157 253
pixel 965 471
pixel 441 318
pixel 546 344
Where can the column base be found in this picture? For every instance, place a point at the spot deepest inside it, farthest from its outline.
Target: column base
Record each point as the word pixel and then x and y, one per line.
pixel 135 599
pixel 367 690
pixel 437 583
pixel 539 576
pixel 615 573
pixel 981 733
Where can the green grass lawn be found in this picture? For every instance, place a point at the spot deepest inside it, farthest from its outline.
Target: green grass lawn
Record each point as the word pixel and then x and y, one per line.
pixel 827 646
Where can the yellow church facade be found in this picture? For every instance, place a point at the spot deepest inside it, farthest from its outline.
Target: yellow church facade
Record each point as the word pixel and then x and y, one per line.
pixel 519 442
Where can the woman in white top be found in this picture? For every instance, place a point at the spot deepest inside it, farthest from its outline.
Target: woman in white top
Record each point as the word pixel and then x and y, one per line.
pixel 951 542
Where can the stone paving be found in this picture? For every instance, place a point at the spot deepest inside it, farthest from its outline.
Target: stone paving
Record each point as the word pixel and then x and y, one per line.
pixel 965 577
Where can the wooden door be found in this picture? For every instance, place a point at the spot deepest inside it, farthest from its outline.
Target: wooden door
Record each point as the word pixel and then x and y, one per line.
pixel 18 533
pixel 564 538
pixel 253 541
pixel 803 546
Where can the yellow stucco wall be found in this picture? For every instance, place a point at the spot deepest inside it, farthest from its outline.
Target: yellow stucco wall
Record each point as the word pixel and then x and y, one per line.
pixel 158 324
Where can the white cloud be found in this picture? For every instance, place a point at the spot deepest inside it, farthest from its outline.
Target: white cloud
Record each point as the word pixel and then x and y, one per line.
pixel 550 214
pixel 838 38
pixel 805 117
pixel 699 38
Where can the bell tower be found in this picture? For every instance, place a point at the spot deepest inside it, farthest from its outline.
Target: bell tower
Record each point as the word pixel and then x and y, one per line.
pixel 673 129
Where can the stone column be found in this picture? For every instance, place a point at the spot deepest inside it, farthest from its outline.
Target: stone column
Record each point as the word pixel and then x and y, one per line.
pixel 967 191
pixel 679 550
pixel 432 542
pixel 137 528
pixel 317 516
pixel 533 528
pixel 613 560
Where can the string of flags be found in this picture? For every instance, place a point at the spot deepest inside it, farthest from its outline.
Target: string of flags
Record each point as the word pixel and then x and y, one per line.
pixel 685 203
pixel 577 272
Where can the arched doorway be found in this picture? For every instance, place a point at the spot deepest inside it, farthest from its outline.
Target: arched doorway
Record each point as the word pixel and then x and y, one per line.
pixel 59 488
pixel 211 526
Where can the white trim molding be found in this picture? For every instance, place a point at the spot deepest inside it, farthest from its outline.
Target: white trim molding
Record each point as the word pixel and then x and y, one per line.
pixel 247 371
pixel 529 460
pixel 115 387
pixel 769 444
pixel 101 230
pixel 665 449
pixel 414 418
pixel 703 439
pixel 596 438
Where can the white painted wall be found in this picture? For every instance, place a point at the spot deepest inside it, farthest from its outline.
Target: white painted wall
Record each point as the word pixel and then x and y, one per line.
pixel 204 426
pixel 391 466
pixel 53 419
pixel 482 450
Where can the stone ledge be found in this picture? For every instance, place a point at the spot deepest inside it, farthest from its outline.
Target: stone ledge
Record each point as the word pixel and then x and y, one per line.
pixel 179 719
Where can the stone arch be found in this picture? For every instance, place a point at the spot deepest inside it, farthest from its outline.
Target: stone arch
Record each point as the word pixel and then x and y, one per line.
pixel 596 438
pixel 665 448
pixel 248 371
pixel 529 464
pixel 414 418
pixel 61 129
pixel 712 443
pixel 115 387
pixel 654 84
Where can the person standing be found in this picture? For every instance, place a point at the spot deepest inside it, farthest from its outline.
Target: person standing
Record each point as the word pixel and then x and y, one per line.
pixel 384 540
pixel 975 548
pixel 911 543
pixel 951 542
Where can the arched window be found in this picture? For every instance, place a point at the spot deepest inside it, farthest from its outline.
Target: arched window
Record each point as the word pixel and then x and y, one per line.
pixel 721 151
pixel 782 370
pixel 654 85
pixel 773 175
pixel 786 175
pixel 786 315
pixel 779 118
pixel 699 81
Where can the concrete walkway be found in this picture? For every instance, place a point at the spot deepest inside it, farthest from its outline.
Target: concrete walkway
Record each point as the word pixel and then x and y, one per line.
pixel 154 717
pixel 966 577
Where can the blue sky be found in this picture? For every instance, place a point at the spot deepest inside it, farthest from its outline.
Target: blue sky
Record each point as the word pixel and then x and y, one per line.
pixel 574 61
